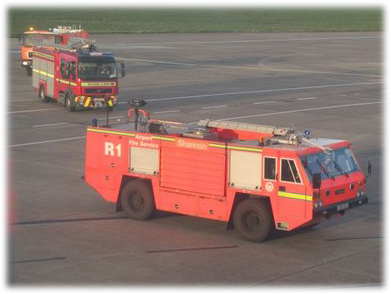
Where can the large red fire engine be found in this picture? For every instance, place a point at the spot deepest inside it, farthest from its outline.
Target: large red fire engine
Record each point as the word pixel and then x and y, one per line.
pixel 254 177
pixel 76 75
pixel 56 36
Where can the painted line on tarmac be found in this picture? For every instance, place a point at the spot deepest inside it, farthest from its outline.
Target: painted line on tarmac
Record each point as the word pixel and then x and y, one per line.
pixel 301 110
pixel 227 118
pixel 261 40
pixel 214 106
pixel 264 102
pixel 47 141
pixel 260 91
pixel 27 111
pixel 51 125
pixel 307 98
pixel 166 111
pixel 156 61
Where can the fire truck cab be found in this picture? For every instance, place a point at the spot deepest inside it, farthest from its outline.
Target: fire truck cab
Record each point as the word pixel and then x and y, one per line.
pixel 256 178
pixel 56 36
pixel 76 76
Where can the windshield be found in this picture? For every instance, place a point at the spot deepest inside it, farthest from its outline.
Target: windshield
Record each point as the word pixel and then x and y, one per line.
pixel 330 165
pixel 37 39
pixel 97 70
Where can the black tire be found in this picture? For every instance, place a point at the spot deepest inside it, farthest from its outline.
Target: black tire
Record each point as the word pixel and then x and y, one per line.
pixel 42 96
pixel 137 200
pixel 69 103
pixel 253 219
pixel 29 71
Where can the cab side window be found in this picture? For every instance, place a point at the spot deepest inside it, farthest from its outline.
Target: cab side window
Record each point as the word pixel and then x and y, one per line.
pixel 289 172
pixel 64 69
pixel 68 69
pixel 269 168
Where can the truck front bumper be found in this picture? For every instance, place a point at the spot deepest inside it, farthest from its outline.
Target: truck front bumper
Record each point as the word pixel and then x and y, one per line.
pixel 96 102
pixel 340 207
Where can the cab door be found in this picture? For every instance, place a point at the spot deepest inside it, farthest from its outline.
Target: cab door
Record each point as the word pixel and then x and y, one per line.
pixel 291 194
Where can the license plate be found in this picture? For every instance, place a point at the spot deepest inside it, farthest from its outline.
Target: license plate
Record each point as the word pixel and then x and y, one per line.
pixel 342 206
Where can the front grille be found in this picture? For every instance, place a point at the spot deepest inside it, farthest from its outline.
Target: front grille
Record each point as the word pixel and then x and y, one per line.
pixel 97 91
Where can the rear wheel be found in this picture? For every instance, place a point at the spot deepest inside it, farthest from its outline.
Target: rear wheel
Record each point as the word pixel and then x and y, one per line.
pixel 69 103
pixel 137 200
pixel 253 219
pixel 42 96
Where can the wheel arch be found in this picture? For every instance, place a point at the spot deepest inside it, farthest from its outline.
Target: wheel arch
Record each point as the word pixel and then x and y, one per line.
pixel 242 196
pixel 126 179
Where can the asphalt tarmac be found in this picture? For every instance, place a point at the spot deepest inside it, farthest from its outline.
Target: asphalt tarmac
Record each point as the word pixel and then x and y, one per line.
pixel 64 233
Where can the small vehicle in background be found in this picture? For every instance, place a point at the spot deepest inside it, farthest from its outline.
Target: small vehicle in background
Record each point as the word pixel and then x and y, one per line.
pixel 56 36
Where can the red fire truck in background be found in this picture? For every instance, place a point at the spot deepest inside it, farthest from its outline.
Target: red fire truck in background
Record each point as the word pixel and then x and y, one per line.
pixel 256 178
pixel 56 36
pixel 76 75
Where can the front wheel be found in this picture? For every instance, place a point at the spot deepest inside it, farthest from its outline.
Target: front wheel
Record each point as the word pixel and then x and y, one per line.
pixel 253 219
pixel 69 103
pixel 137 200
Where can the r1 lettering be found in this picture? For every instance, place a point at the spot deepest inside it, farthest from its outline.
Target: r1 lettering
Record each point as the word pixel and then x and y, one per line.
pixel 112 150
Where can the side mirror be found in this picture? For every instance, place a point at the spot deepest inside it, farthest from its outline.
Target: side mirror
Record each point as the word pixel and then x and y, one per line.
pixel 369 168
pixel 121 69
pixel 316 180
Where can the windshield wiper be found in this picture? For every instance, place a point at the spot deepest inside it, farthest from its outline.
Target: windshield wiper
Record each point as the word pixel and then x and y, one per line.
pixel 324 169
pixel 338 167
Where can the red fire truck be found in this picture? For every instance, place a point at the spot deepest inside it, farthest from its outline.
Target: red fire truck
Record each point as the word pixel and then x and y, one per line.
pixel 255 178
pixel 76 75
pixel 56 36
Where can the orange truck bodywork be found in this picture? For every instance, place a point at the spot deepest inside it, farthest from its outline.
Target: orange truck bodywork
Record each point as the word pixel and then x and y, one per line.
pixel 205 177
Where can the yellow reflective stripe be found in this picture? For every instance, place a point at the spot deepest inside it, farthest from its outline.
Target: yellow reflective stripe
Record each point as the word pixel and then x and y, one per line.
pixel 111 132
pixel 163 138
pixel 244 148
pixel 43 73
pixel 217 146
pixel 235 147
pixel 98 84
pixel 66 82
pixel 295 196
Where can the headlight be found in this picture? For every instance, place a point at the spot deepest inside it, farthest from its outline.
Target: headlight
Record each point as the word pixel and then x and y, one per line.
pixel 318 204
pixel 360 194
